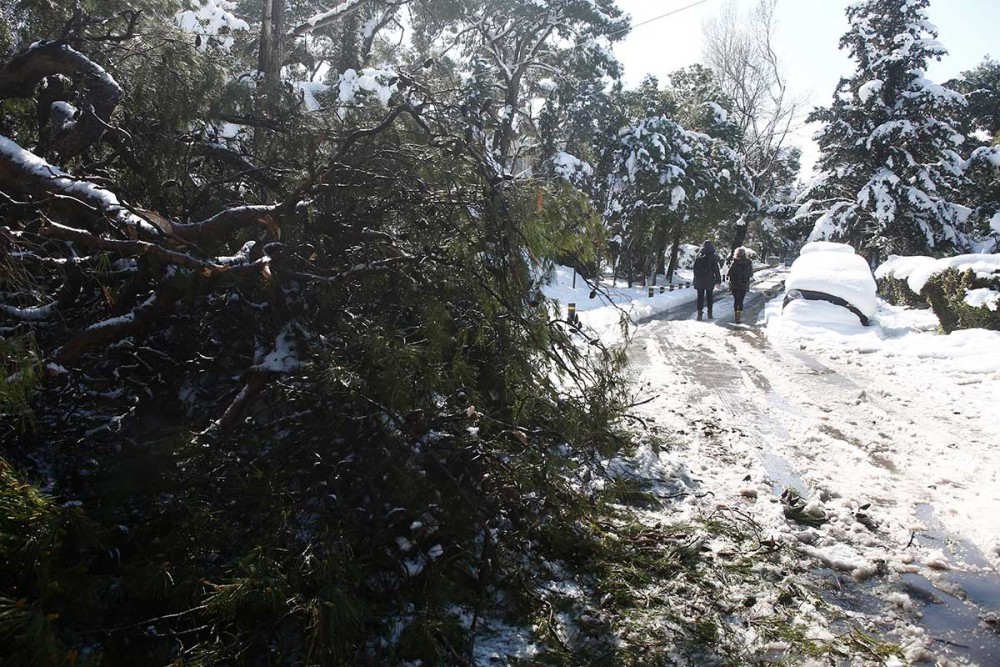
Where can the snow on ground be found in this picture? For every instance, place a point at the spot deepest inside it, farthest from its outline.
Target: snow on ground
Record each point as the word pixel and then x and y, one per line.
pixel 613 298
pixel 931 399
pixel 887 432
pixel 942 389
pixel 602 314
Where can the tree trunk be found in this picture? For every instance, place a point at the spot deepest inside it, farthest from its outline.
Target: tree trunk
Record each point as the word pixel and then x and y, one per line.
pixel 675 251
pixel 269 59
pixel 659 250
pixel 350 46
pixel 740 235
pixel 272 28
pixel 615 264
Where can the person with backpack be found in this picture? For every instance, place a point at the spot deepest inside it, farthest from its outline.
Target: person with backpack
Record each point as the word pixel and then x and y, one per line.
pixel 706 276
pixel 739 274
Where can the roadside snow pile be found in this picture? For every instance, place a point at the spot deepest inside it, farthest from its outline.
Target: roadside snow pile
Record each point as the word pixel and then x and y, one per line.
pixel 900 267
pixel 983 266
pixel 833 269
pixel 602 313
pixel 817 316
pixel 964 291
pixel 903 338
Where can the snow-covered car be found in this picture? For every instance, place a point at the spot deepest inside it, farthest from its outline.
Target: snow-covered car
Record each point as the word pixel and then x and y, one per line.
pixel 830 272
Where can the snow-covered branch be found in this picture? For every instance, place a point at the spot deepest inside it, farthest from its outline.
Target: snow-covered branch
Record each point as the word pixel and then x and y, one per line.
pixel 98 101
pixel 326 18
pixel 23 171
pixel 135 247
pixel 107 331
pixel 226 222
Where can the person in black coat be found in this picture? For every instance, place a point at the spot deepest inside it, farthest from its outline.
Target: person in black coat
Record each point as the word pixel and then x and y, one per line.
pixel 706 276
pixel 739 275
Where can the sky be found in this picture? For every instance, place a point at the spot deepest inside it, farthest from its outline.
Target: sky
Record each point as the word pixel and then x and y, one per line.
pixel 807 43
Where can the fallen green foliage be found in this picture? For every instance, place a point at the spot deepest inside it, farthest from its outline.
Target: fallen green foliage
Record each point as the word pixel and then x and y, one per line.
pixel 20 373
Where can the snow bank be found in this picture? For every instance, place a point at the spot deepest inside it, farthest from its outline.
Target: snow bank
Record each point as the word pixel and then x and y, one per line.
pixel 602 314
pixel 811 318
pixel 900 267
pixel 984 266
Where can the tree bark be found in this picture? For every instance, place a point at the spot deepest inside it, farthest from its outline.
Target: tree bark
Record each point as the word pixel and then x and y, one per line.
pixel 740 234
pixel 675 249
pixel 98 100
pixel 272 28
pixel 22 171
pixel 659 249
pixel 350 46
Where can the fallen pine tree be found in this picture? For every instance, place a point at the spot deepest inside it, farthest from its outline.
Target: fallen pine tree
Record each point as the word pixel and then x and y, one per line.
pixel 260 405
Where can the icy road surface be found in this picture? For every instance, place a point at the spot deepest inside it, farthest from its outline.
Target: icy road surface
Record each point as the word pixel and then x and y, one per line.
pixel 906 480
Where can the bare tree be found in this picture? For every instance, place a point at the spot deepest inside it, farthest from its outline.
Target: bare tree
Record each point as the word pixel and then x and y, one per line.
pixel 739 48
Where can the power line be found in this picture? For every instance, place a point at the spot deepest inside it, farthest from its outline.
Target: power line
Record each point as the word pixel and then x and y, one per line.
pixel 661 16
pixel 642 23
pixel 563 75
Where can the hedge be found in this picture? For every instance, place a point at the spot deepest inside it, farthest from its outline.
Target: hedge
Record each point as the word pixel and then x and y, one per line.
pixel 897 292
pixel 946 291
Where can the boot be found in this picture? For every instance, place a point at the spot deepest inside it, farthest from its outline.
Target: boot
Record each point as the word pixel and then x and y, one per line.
pixel 709 313
pixel 699 316
pixel 739 316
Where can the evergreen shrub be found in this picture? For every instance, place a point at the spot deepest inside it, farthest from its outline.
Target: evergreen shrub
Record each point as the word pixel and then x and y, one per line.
pixel 945 292
pixel 897 292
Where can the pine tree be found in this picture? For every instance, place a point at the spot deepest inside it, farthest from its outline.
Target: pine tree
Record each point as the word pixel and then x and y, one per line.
pixel 671 183
pixel 981 87
pixel 889 162
pixel 275 386
pixel 983 197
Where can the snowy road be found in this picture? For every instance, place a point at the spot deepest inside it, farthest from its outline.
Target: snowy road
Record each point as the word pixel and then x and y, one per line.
pixel 902 480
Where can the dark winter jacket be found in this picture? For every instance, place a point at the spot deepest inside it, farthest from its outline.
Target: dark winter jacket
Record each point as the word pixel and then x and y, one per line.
pixel 740 273
pixel 706 268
